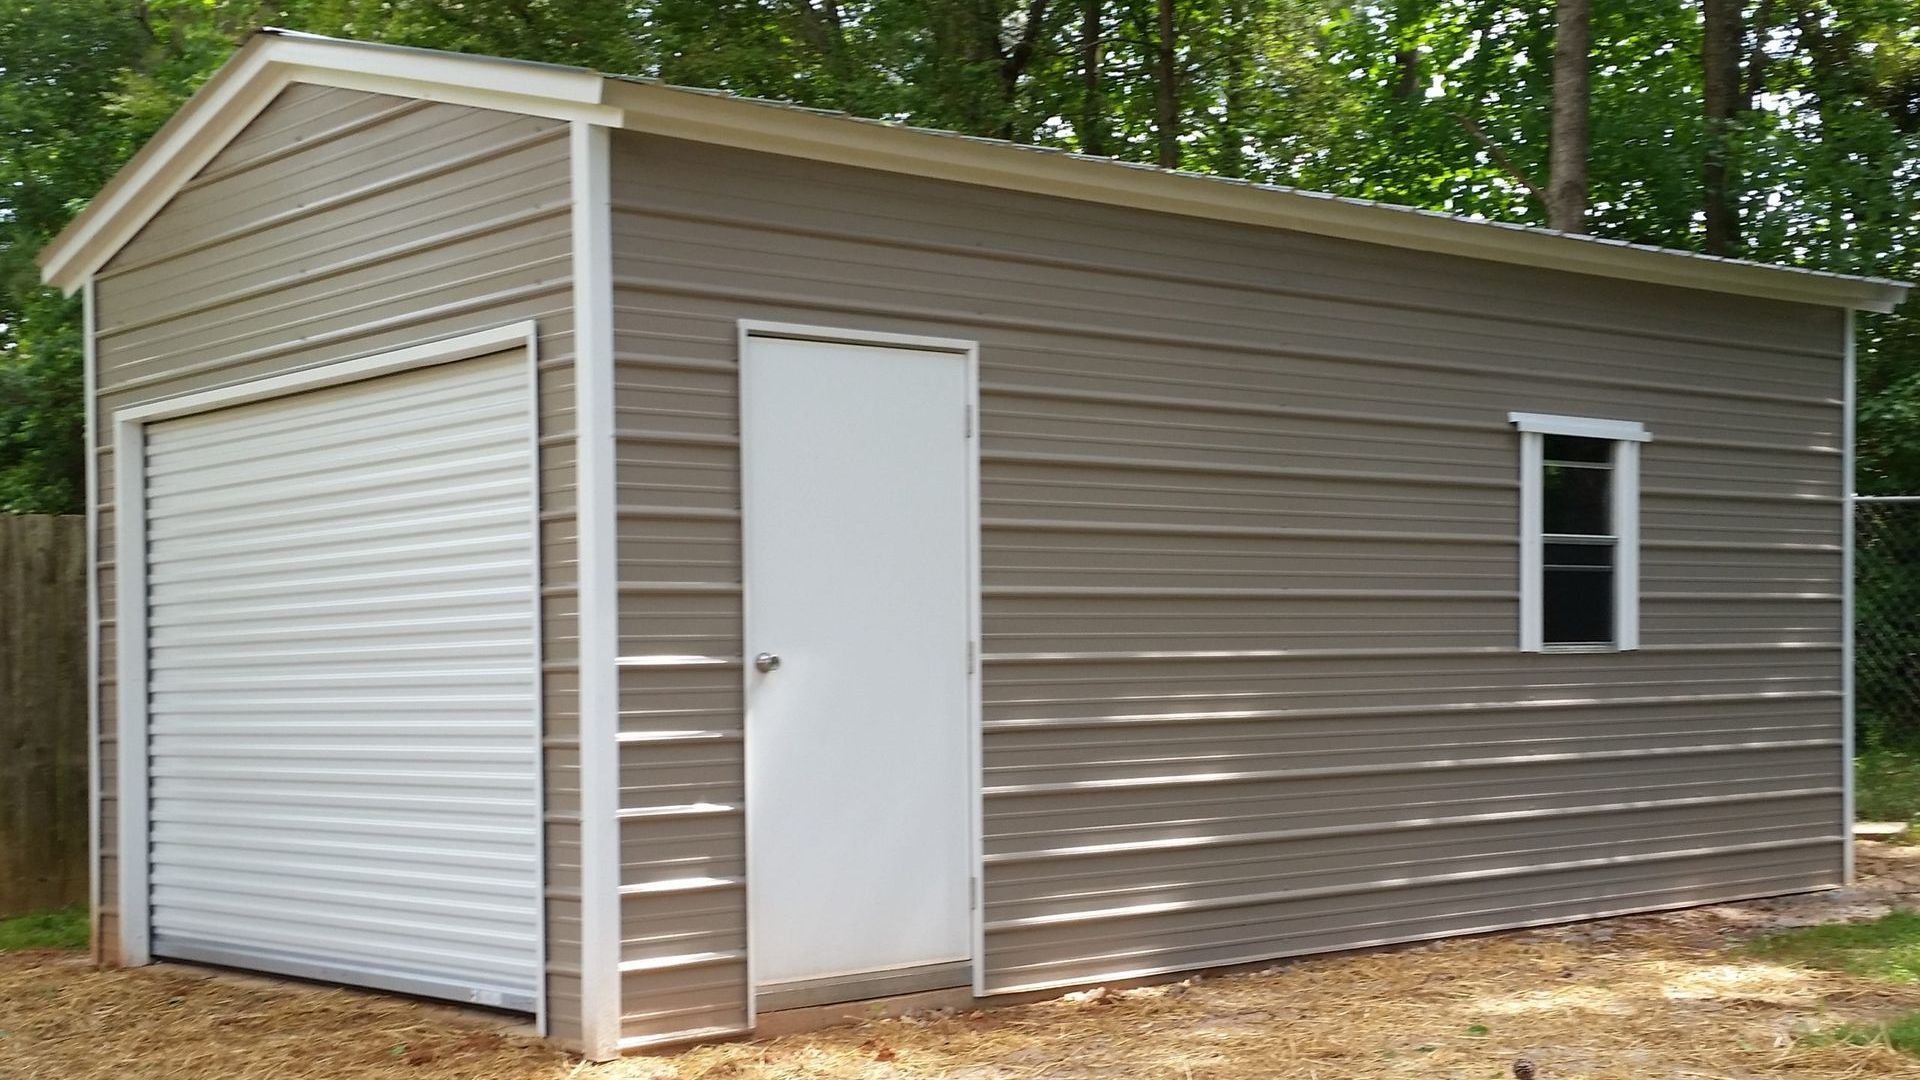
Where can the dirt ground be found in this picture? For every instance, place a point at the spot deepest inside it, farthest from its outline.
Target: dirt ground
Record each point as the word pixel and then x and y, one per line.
pixel 1657 996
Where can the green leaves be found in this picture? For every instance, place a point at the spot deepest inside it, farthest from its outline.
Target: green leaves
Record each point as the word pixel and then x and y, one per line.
pixel 1434 103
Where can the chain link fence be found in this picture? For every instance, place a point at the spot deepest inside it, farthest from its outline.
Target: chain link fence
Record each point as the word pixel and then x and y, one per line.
pixel 1886 599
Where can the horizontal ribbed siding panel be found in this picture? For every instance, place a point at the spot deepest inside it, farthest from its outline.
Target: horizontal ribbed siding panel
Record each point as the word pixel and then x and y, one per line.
pixel 683 838
pixel 1395 911
pixel 342 719
pixel 1249 551
pixel 341 224
pixel 682 830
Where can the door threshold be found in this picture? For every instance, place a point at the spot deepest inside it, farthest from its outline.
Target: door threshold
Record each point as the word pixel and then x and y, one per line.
pixel 863 986
pixel 793 1021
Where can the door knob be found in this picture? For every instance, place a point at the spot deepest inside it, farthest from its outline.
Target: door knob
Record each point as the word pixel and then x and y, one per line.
pixel 766 661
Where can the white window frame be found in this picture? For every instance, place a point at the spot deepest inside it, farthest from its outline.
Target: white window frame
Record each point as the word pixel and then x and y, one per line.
pixel 1626 437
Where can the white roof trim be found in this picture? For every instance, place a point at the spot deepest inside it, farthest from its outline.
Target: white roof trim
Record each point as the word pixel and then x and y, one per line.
pixel 274 58
pixel 1580 426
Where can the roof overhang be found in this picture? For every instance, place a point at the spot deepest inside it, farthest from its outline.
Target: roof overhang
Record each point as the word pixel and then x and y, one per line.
pixel 272 59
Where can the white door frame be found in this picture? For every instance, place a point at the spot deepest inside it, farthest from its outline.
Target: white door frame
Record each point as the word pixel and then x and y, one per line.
pixel 130 592
pixel 969 350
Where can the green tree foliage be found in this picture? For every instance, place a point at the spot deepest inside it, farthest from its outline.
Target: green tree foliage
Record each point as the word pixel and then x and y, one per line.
pixel 1443 104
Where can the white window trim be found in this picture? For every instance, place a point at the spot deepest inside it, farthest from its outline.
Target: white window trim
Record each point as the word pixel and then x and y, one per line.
pixel 1626 436
pixel 1579 426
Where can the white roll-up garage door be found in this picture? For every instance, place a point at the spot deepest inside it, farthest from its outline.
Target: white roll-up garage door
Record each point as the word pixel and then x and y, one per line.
pixel 343 674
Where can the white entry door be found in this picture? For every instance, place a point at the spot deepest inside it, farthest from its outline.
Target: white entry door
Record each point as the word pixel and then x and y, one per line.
pixel 858 514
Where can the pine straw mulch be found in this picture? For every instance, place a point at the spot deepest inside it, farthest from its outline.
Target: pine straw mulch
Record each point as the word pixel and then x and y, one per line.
pixel 1658 996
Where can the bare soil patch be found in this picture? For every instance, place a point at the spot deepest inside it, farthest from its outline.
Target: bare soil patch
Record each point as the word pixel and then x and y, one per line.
pixel 1665 995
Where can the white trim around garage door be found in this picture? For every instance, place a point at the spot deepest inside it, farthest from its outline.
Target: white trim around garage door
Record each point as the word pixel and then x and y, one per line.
pixel 130 579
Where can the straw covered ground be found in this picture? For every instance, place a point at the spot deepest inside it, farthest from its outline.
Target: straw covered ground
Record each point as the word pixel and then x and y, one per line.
pixel 1660 996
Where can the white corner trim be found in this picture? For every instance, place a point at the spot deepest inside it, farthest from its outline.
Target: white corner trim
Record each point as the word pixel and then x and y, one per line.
pixel 598 591
pixel 1580 426
pixel 130 577
pixel 95 899
pixel 1848 506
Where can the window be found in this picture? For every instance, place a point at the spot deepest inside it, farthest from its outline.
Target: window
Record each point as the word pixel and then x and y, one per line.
pixel 1579 532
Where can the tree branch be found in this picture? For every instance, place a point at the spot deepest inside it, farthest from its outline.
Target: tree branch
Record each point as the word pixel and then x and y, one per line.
pixel 1499 156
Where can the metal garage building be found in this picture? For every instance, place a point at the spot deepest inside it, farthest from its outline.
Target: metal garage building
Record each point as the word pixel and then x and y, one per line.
pixel 649 559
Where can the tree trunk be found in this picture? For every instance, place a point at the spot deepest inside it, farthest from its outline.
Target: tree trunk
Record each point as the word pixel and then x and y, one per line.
pixel 1013 66
pixel 1093 87
pixel 820 26
pixel 1720 58
pixel 1166 91
pixel 1567 163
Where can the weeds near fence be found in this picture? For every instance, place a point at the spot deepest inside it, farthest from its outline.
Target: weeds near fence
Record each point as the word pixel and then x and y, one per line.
pixel 63 929
pixel 1887 783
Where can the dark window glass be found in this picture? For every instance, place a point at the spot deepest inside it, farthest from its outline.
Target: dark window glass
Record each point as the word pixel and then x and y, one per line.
pixel 1576 572
pixel 1577 605
pixel 1574 500
pixel 1574 448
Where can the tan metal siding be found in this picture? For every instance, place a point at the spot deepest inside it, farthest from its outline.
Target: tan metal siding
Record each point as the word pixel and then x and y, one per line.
pixel 682 847
pixel 341 224
pixel 1249 554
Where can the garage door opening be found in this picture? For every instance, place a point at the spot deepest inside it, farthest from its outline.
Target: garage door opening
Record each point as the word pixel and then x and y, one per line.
pixel 342 667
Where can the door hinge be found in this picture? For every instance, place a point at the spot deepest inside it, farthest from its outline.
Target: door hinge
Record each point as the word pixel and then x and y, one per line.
pixel 971 659
pixel 967 423
pixel 973 893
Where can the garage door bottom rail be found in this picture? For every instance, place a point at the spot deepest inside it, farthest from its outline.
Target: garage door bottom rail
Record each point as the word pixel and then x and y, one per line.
pixel 318 969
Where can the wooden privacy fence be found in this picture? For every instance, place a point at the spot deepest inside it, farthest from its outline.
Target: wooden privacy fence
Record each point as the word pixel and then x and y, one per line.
pixel 43 712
